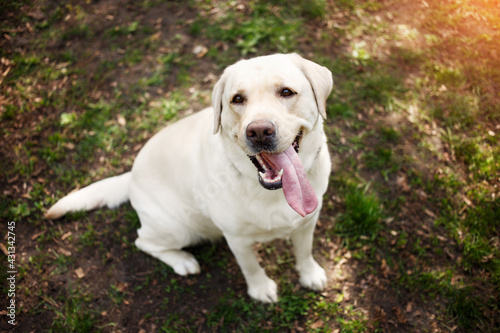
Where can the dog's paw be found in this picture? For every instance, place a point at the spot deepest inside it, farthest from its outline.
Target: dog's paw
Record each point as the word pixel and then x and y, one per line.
pixel 266 291
pixel 182 262
pixel 313 278
pixel 187 267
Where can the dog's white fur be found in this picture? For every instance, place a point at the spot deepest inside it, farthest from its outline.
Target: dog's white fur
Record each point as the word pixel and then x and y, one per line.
pixel 193 181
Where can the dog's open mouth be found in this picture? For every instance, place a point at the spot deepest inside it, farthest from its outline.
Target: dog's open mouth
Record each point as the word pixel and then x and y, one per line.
pixel 270 176
pixel 285 170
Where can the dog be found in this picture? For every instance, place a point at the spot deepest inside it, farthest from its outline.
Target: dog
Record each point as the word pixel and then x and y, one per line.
pixel 258 173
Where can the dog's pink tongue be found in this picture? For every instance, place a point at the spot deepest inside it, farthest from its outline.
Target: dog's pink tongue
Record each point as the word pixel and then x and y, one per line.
pixel 298 192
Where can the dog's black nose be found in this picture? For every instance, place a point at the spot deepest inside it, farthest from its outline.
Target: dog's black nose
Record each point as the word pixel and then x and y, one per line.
pixel 261 134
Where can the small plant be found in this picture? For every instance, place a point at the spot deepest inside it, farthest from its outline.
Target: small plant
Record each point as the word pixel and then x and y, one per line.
pixel 116 294
pixel 361 220
pixel 378 159
pixel 117 31
pixel 82 31
pixel 239 312
pixel 62 263
pixel 390 134
pixel 89 237
pixel 74 314
pixel 20 211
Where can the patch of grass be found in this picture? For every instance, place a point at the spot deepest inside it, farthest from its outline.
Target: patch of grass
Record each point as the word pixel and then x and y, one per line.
pixel 456 110
pixel 409 57
pixel 124 30
pixel 61 262
pixel 315 9
pixel 20 211
pixel 96 128
pixel 481 157
pixel 133 56
pixel 56 150
pixel 361 221
pixel 460 299
pixel 354 321
pixel 163 109
pixel 89 237
pixel 380 88
pixel 262 29
pixel 81 31
pixel 476 228
pixel 250 316
pixel 166 65
pixel 116 294
pixel 74 315
pixel 360 85
pixel 339 109
pixel 473 221
pixel 346 318
pixel 9 112
pixel 25 65
pixel 12 7
pixel 132 220
pixel 175 323
pixel 390 134
pixel 378 159
pixel 448 76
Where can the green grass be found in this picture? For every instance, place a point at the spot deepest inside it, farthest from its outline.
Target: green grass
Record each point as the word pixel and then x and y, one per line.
pixel 236 311
pixel 262 31
pixel 82 31
pixel 361 221
pixel 116 295
pixel 473 231
pixel 124 30
pixel 89 237
pixel 462 303
pixel 74 314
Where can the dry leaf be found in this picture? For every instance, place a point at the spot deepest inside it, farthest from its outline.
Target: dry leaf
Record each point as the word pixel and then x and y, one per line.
pixel 409 307
pixel 4 249
pixel 200 51
pixel 79 273
pixel 66 235
pixel 402 182
pixel 65 252
pixel 431 214
pixel 121 120
pixel 399 314
pixel 317 324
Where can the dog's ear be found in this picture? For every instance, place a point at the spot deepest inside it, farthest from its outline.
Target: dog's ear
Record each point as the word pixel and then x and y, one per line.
pixel 217 101
pixel 320 79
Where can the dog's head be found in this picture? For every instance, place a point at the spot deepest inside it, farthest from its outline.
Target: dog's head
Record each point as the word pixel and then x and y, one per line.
pixel 268 106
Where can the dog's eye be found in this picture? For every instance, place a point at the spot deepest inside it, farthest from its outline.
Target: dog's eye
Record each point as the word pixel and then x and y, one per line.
pixel 238 99
pixel 286 92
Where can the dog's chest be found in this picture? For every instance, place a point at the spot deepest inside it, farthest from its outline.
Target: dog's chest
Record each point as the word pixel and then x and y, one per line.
pixel 263 216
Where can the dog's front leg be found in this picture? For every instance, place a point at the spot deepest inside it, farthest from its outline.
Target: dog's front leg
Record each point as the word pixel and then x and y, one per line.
pixel 260 286
pixel 312 275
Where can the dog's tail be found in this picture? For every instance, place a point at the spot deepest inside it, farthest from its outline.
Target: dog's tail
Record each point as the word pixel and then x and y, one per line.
pixel 109 192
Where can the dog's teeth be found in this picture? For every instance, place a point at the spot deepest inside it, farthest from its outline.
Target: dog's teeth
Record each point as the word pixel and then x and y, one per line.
pixel 278 177
pixel 269 180
pixel 261 162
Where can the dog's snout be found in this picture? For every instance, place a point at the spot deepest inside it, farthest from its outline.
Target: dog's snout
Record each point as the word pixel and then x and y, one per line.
pixel 261 133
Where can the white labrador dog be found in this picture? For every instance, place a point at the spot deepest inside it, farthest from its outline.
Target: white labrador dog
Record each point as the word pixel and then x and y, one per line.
pixel 252 168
